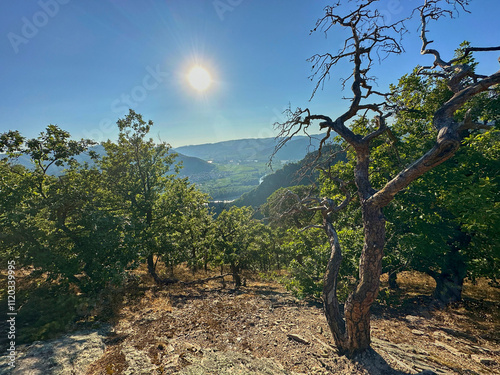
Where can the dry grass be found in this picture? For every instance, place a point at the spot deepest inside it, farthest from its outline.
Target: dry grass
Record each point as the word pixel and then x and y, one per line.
pixel 176 321
pixel 481 290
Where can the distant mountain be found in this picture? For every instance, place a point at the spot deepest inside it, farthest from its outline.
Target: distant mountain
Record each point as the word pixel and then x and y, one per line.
pixel 259 149
pixel 190 165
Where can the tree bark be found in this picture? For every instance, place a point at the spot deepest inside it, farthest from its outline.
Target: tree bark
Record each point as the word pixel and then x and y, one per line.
pixel 236 275
pixel 393 280
pixel 448 288
pixel 449 283
pixel 330 301
pixel 357 307
pixel 352 335
pixel 194 261
pixel 152 269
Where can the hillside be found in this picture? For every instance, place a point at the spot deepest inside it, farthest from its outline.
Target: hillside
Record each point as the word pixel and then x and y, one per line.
pixel 241 168
pixel 225 170
pixel 292 174
pixel 192 166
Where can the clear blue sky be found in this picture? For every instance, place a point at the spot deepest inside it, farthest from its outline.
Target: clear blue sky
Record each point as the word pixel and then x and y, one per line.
pixel 81 64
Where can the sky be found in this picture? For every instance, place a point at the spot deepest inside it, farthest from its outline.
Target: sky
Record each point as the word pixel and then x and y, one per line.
pixel 81 64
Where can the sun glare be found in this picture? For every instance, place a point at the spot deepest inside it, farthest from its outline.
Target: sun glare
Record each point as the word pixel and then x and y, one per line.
pixel 199 78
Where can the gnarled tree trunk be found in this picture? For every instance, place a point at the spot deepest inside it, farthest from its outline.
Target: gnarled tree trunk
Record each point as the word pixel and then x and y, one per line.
pixel 357 307
pixel 330 301
pixel 352 335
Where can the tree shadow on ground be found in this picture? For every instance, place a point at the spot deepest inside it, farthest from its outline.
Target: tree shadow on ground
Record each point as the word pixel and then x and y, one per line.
pixel 375 364
pixel 276 297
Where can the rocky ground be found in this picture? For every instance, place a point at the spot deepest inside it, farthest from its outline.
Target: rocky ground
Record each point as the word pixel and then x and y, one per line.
pixel 211 328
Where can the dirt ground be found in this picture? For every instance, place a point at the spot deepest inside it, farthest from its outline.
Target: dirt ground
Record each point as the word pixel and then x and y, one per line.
pixel 261 328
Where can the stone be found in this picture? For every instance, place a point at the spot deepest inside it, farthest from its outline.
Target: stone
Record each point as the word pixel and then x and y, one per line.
pixel 298 338
pixel 231 363
pixel 412 318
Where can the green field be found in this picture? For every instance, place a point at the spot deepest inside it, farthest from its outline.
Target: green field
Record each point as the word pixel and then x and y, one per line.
pixel 229 181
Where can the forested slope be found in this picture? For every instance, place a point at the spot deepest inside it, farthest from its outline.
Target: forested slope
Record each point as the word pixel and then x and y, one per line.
pixel 302 172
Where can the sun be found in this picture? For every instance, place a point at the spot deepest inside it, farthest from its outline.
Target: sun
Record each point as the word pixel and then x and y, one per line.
pixel 199 78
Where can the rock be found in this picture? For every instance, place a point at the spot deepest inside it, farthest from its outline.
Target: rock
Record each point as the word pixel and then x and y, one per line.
pixel 192 347
pixel 412 318
pixel 71 354
pixel 233 363
pixel 298 338
pixel 138 361
pixel 417 332
pixel 447 347
pixel 442 335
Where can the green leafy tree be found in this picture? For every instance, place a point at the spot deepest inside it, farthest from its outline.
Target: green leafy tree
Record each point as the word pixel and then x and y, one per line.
pixel 428 221
pixel 139 171
pixel 184 228
pixel 279 207
pixel 234 236
pixel 448 230
pixel 59 225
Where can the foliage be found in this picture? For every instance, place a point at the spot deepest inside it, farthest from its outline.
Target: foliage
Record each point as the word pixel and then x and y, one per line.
pixel 451 209
pixel 57 225
pixel 89 225
pixel 278 210
pixel 162 210
pixel 233 237
pixel 307 251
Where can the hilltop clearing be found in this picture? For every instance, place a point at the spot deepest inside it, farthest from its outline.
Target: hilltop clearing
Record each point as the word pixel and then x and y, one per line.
pixel 261 329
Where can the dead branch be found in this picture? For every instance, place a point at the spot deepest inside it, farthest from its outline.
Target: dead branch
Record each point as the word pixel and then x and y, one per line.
pixel 452 70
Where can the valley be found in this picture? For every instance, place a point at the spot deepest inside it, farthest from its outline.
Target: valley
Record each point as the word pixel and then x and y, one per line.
pixel 236 167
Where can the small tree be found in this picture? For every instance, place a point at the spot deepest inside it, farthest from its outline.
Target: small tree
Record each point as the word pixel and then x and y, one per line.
pixel 233 238
pixel 137 171
pixel 185 229
pixel 60 225
pixel 369 36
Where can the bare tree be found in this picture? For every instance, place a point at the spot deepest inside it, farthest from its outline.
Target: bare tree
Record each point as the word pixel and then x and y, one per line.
pixel 372 39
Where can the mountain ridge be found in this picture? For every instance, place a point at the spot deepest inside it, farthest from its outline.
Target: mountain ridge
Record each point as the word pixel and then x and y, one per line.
pixel 260 149
pixel 190 165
